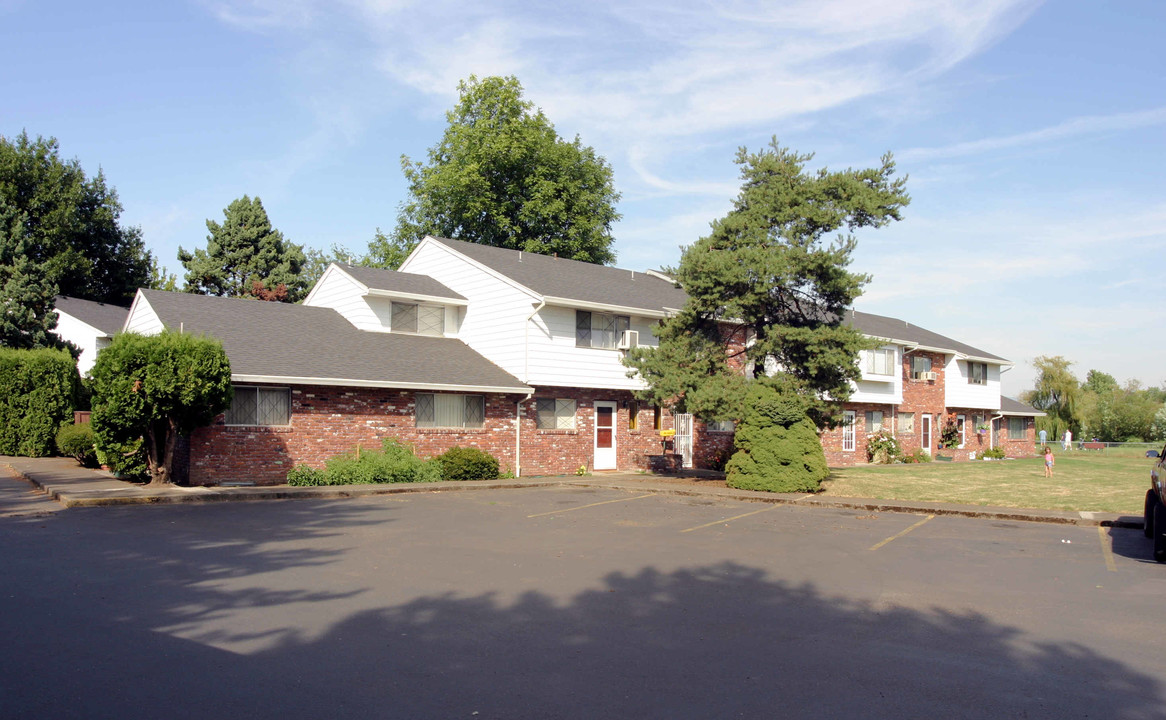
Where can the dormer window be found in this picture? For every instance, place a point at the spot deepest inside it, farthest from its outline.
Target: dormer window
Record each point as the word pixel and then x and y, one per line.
pixel 418 319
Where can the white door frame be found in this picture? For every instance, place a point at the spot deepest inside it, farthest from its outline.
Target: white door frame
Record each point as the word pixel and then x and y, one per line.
pixel 605 458
pixel 961 422
pixel 925 433
pixel 848 420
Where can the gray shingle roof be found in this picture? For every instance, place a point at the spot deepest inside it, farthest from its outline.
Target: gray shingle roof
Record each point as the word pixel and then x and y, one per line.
pixel 393 281
pixel 295 341
pixel 574 280
pixel 106 318
pixel 880 326
pixel 1009 406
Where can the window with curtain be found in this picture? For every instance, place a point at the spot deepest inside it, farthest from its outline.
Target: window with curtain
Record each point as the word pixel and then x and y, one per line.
pixel 919 364
pixel 907 423
pixel 874 421
pixel 450 411
pixel 599 330
pixel 260 406
pixel 880 361
pixel 977 373
pixel 1017 428
pixel 555 413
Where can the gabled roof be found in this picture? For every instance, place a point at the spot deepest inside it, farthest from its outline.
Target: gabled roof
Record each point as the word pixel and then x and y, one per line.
pixel 296 344
pixel 392 281
pixel 106 318
pixel 559 279
pixel 1009 406
pixel 901 331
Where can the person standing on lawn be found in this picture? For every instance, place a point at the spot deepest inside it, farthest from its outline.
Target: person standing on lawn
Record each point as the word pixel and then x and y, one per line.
pixel 1048 461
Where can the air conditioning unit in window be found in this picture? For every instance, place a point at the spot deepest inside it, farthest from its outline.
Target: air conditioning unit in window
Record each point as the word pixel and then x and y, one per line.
pixel 928 376
pixel 628 339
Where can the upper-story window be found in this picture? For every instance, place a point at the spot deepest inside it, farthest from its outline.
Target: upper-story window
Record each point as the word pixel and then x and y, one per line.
pixel 419 319
pixel 879 362
pixel 978 373
pixel 599 330
pixel 919 365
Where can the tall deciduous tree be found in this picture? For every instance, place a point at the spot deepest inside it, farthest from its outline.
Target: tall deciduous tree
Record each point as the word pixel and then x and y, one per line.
pixel 153 389
pixel 1057 392
pixel 69 222
pixel 502 176
pixel 775 272
pixel 244 249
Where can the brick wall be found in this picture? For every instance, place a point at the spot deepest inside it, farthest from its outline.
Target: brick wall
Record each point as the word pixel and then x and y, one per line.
pixel 328 421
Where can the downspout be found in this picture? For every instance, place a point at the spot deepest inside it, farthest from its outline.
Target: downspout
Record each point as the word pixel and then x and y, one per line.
pixel 525 379
pixel 992 428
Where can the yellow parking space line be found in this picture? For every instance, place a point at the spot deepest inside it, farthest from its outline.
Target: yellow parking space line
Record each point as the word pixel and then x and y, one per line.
pixel 735 517
pixel 1106 550
pixel 583 507
pixel 901 534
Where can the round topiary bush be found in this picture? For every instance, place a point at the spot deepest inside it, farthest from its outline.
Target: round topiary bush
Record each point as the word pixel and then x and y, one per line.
pixel 77 442
pixel 778 449
pixel 460 463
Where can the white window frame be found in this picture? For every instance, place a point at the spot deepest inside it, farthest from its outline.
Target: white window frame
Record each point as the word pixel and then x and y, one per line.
pixel 871 361
pixel 448 398
pixel 921 359
pixel 230 418
pixel 982 378
pixel 848 440
pixel 874 421
pixel 961 426
pixel 590 325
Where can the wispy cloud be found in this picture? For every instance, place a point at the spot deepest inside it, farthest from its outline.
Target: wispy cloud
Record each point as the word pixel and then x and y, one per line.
pixel 1076 127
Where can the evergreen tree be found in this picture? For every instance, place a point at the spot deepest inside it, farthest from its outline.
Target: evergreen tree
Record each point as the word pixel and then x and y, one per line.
pixel 502 176
pixel 243 250
pixel 768 289
pixel 27 318
pixel 70 223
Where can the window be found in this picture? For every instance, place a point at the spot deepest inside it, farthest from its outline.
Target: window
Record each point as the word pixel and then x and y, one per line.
pixel 880 362
pixel 919 364
pixel 977 373
pixel 725 426
pixel 450 411
pixel 1017 428
pixel 599 330
pixel 874 421
pixel 633 415
pixel 420 319
pixel 555 413
pixel 848 431
pixel 907 423
pixel 260 406
pixel 657 418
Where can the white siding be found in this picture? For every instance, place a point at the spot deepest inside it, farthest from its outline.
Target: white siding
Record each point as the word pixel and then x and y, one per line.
pixel 494 321
pixel 554 359
pixel 81 334
pixel 142 318
pixel 880 388
pixel 959 393
pixel 337 290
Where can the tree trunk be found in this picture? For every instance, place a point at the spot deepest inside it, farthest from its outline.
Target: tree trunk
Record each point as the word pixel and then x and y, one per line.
pixel 155 455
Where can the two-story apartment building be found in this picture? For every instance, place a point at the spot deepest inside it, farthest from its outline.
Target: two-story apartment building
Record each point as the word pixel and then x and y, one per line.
pixel 513 353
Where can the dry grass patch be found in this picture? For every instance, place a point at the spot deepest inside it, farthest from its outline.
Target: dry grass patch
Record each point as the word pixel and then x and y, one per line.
pixel 1096 482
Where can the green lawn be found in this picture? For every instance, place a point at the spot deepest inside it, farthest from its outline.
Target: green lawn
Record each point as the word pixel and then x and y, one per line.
pixel 1112 481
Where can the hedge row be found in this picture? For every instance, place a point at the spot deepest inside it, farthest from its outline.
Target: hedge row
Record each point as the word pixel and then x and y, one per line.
pixel 396 463
pixel 38 392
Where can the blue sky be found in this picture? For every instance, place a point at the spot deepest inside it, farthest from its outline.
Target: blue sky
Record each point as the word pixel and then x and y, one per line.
pixel 1032 133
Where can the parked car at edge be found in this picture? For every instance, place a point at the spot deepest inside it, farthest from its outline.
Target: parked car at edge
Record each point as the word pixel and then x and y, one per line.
pixel 1154 516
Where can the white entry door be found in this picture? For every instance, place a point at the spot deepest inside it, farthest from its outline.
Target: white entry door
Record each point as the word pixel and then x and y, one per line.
pixel 925 434
pixel 683 423
pixel 604 435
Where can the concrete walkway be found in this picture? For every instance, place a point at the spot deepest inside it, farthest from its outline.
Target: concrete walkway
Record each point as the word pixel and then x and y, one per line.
pixel 63 481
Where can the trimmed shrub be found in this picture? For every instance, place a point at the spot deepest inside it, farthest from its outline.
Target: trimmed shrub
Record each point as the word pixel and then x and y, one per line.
pixel 77 442
pixel 459 463
pixel 883 448
pixel 994 453
pixel 38 390
pixel 778 449
pixel 304 475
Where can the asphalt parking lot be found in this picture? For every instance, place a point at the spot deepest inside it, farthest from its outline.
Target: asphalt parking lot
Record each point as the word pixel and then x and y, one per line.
pixel 563 602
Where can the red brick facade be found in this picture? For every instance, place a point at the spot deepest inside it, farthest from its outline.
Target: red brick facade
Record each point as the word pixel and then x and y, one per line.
pixel 328 421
